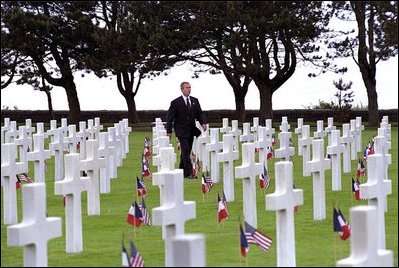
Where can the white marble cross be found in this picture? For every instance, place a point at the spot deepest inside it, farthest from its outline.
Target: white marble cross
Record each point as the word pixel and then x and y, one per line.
pixel 156 145
pixel 125 132
pixel 36 228
pixel 298 130
pixel 248 172
pixel 83 135
pixel 382 146
pixel 72 138
pixel 98 125
pixel 375 190
pixel 91 130
pixel 283 201
pixel 113 159
pixel 57 149
pixel 24 143
pixel 247 136
pixel 72 187
pixel 319 134
pixel 236 132
pixel 335 150
pixel 92 164
pixel 105 152
pixel 64 127
pixel 346 140
pixel 225 127
pixel 30 130
pixel 167 160
pixel 5 128
pixel 174 211
pixel 365 252
pixel 155 130
pixel 284 127
pixel 317 166
pixel 359 128
pixel 330 127
pixel 384 124
pixel 254 128
pixel 383 131
pixel 121 139
pixel 269 128
pixel 11 133
pixel 163 142
pixel 40 129
pixel 202 140
pixel 285 152
pixel 227 157
pixel 52 130
pixel 305 143
pixel 115 142
pixel 354 132
pixel 263 144
pixel 9 169
pixel 213 147
pixel 39 156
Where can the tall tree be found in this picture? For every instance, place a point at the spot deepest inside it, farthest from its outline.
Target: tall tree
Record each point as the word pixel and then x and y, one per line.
pixel 253 40
pixel 280 34
pixel 214 34
pixel 127 46
pixel 54 36
pixel 376 40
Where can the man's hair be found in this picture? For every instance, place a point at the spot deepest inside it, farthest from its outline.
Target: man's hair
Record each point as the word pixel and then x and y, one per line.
pixel 183 83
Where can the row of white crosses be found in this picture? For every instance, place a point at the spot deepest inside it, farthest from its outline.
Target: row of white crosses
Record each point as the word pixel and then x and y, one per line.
pixel 71 186
pixel 159 140
pixel 248 170
pixel 282 201
pixel 10 167
pixel 368 247
pixel 186 250
pixel 285 152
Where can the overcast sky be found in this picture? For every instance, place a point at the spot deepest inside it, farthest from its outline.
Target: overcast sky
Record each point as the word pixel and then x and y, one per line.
pixel 213 91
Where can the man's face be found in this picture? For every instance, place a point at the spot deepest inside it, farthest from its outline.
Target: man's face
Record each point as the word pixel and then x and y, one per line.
pixel 186 89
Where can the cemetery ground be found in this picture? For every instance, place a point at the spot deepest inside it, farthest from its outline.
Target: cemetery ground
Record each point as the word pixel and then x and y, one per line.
pixel 316 243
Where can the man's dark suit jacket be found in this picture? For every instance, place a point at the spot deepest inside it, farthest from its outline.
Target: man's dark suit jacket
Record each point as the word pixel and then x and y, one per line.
pixel 183 119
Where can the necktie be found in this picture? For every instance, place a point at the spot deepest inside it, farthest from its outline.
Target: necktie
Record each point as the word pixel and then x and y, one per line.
pixel 188 103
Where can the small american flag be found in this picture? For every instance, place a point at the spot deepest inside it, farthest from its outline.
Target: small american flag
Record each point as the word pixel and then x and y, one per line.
pixel 361 169
pixel 135 258
pixel 255 237
pixel 141 189
pixel 25 178
pixel 144 212
pixel 204 186
pixel 264 179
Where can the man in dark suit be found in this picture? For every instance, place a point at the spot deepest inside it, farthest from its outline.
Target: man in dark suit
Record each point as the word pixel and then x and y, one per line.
pixel 182 113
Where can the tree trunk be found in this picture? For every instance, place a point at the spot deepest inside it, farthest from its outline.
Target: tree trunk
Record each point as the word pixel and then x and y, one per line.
pixel 367 57
pixel 132 112
pixel 50 104
pixel 241 113
pixel 266 109
pixel 73 102
pixel 370 84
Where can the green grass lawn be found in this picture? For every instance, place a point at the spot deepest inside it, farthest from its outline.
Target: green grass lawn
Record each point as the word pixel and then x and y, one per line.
pixel 315 242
